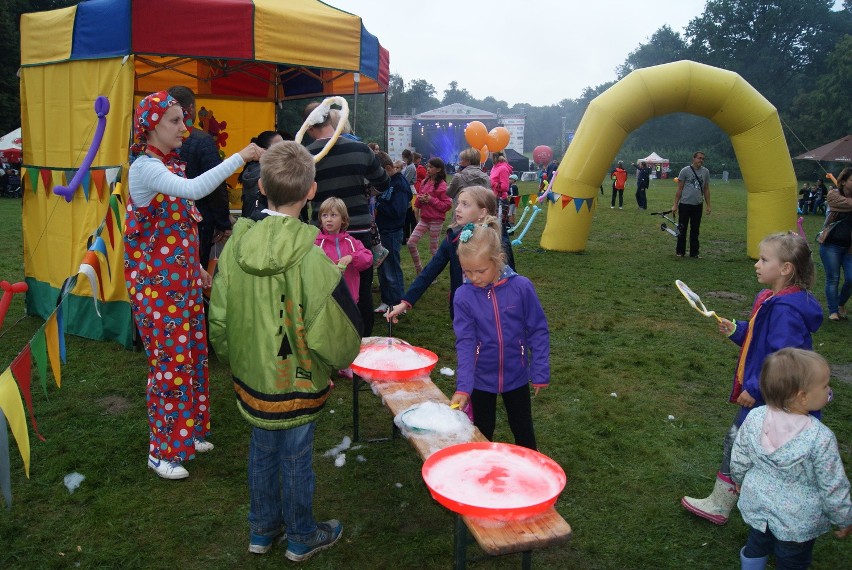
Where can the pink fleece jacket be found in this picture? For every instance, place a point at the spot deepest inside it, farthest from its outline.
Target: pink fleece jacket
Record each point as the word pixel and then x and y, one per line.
pixel 340 245
pixel 500 179
pixel 438 204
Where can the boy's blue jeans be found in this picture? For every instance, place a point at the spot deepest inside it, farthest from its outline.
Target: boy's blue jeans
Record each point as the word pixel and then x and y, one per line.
pixel 788 555
pixel 835 257
pixel 281 482
pixel 391 280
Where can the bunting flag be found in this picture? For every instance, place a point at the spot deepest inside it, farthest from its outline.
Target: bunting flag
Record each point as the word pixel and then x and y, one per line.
pixel 32 174
pixel 13 408
pixel 84 185
pixel 22 371
pixel 51 337
pixel 91 268
pixel 5 472
pixel 46 179
pixel 99 178
pixel 99 246
pixel 60 327
pixel 38 349
pixel 566 200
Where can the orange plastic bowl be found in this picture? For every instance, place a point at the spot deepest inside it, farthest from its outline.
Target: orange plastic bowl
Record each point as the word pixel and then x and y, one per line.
pixel 389 369
pixel 493 480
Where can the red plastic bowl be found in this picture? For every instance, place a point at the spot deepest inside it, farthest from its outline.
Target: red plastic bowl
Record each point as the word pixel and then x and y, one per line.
pixel 493 480
pixel 394 372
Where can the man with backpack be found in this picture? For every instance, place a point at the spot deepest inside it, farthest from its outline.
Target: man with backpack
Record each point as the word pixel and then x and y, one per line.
pixel 693 192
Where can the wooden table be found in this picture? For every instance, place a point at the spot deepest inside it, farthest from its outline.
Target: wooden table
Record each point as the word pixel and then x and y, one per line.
pixel 524 536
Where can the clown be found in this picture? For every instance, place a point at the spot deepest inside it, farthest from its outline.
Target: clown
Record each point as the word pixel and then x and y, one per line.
pixel 164 280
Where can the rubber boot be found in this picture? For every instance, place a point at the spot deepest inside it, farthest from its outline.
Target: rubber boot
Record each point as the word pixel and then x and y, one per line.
pixel 752 563
pixel 718 505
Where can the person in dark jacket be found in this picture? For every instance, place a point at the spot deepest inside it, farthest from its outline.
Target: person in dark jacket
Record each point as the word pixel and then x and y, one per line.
pixel 253 201
pixel 200 153
pixel 502 339
pixel 391 208
pixel 643 180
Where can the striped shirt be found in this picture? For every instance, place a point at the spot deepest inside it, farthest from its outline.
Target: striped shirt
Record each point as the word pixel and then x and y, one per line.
pixel 341 174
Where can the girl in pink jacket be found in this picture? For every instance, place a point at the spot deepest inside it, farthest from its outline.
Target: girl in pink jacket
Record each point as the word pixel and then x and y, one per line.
pixel 434 204
pixel 500 176
pixel 347 252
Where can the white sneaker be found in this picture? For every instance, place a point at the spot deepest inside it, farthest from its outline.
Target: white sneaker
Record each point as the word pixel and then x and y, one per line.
pixel 167 469
pixel 383 308
pixel 612 207
pixel 202 445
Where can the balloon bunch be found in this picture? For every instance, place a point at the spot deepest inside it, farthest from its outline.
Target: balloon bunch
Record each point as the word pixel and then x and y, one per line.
pixel 486 141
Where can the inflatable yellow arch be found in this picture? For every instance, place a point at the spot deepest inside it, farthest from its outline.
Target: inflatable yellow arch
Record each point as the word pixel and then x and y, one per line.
pixel 684 86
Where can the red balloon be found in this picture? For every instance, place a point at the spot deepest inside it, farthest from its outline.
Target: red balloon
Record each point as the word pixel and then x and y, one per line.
pixel 475 134
pixel 542 154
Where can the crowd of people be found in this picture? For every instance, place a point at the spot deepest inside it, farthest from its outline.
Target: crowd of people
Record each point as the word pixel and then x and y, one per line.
pixel 293 296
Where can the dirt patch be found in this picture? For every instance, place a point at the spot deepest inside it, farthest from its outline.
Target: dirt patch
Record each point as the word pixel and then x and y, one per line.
pixel 842 372
pixel 114 405
pixel 726 295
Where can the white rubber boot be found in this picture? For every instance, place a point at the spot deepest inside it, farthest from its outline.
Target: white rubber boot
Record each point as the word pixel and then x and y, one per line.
pixel 718 505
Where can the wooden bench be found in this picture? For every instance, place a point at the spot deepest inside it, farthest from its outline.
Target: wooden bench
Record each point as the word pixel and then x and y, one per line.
pixel 524 536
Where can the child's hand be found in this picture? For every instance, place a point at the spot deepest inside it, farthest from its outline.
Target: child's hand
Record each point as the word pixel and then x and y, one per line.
pixel 843 532
pixel 727 327
pixel 395 311
pixel 537 389
pixel 459 400
pixel 345 260
pixel 745 399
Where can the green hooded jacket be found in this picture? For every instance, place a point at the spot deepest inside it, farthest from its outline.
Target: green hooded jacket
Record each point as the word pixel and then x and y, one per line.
pixel 281 316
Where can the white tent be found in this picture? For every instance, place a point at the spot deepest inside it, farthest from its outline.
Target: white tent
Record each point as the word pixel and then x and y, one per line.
pixel 652 158
pixel 659 165
pixel 10 146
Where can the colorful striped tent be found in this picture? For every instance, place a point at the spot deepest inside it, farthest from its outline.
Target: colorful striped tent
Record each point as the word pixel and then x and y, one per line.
pixel 239 56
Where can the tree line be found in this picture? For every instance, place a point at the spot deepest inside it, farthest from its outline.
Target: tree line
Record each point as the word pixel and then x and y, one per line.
pixel 796 54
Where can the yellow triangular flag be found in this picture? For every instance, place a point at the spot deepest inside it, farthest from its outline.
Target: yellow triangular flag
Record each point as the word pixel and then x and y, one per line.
pixel 13 409
pixel 51 336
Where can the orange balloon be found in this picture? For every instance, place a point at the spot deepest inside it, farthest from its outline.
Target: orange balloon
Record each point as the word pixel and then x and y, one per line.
pixel 475 134
pixel 498 139
pixel 483 154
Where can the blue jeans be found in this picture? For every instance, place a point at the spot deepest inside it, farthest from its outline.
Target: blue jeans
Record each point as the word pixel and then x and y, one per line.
pixel 788 555
pixel 281 482
pixel 833 258
pixel 391 281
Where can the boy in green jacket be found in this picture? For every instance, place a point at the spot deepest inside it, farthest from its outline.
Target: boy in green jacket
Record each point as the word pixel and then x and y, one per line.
pixel 282 317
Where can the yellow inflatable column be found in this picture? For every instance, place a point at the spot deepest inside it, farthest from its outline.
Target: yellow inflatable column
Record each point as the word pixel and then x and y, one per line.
pixel 685 86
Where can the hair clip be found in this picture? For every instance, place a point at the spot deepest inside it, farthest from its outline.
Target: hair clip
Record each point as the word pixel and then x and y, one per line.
pixel 466 232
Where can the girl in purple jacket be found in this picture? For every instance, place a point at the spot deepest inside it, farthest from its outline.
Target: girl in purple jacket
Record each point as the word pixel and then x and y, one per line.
pixel 783 315
pixel 502 340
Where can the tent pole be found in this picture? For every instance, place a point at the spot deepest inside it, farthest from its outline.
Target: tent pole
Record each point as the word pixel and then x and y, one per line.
pixel 355 103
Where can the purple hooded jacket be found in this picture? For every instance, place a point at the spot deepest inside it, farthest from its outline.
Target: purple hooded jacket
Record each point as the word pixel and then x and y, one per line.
pixel 785 320
pixel 502 341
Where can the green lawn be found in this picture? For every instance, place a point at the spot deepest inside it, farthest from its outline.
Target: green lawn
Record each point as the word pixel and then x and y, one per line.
pixel 618 326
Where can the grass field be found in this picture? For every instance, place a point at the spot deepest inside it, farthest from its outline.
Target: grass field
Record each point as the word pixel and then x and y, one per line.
pixel 618 326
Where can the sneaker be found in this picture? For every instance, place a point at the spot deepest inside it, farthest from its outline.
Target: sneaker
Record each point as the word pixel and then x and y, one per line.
pixel 167 469
pixel 612 207
pixel 383 308
pixel 327 533
pixel 620 208
pixel 259 544
pixel 379 258
pixel 202 445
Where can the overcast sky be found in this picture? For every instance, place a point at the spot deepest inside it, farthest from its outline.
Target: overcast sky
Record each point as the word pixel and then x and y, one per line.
pixel 523 51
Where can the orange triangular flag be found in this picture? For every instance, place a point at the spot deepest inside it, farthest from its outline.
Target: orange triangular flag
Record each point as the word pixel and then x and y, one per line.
pixel 99 178
pixel 566 200
pixel 13 409
pixel 51 336
pixel 22 368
